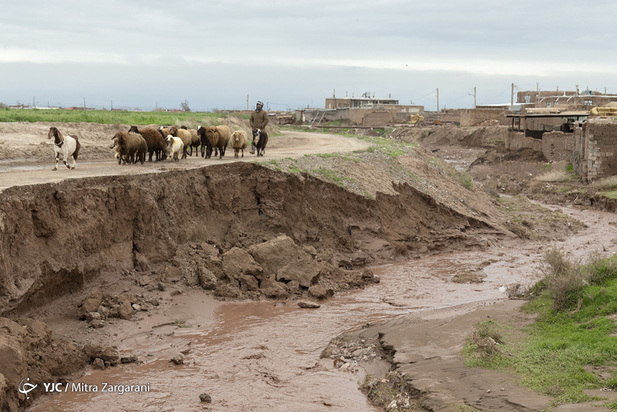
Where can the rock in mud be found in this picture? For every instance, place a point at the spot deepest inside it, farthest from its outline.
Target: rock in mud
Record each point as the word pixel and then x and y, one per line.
pixel 144 280
pixel 238 262
pixel 90 316
pixel 204 397
pixel 125 310
pixel 98 363
pixel 91 304
pixel 320 292
pixel 304 304
pixel 97 323
pixel 129 359
pixel 273 289
pixel 369 277
pixel 207 279
pixel 108 354
pixel 178 359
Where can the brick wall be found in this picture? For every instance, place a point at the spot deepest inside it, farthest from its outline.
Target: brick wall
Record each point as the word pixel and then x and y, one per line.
pixel 378 118
pixel 475 117
pixel 595 149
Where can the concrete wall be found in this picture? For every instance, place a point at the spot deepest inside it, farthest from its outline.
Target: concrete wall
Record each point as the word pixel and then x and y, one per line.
pixel 595 149
pixel 558 146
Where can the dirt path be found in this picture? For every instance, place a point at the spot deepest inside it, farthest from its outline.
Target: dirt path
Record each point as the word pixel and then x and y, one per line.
pixel 37 169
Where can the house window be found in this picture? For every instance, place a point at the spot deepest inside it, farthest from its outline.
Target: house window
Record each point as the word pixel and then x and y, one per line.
pixel 527 99
pixel 588 102
pixel 549 104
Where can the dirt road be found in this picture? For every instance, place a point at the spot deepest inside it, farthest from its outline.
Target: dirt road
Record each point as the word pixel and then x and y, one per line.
pixel 36 168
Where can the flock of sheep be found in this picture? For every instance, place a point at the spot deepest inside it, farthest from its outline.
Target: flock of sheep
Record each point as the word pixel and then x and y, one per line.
pixel 176 143
pixel 164 143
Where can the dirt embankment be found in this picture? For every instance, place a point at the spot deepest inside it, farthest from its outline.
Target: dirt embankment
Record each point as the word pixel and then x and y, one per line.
pixel 191 224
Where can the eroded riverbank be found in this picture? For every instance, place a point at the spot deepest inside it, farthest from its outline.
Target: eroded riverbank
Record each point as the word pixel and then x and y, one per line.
pixel 266 355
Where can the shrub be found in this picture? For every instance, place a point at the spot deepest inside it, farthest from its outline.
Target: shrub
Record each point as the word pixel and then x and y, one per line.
pixel 554 175
pixel 486 338
pixel 599 270
pixel 465 180
pixel 564 279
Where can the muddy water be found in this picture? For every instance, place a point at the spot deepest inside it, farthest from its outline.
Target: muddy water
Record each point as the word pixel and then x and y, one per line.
pixel 266 356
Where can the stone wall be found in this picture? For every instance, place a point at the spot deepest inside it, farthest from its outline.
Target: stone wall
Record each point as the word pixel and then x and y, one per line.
pixel 558 146
pixel 595 149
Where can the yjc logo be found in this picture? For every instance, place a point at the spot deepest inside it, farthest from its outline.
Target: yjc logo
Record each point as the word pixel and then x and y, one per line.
pixel 26 387
pixel 53 387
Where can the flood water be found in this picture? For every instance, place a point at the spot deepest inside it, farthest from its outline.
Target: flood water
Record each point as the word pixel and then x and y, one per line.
pixel 266 355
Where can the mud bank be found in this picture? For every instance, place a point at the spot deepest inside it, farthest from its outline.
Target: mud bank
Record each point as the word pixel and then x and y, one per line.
pixel 240 230
pixel 57 237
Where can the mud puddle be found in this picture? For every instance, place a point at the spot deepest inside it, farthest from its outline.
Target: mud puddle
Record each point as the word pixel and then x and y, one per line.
pixel 266 355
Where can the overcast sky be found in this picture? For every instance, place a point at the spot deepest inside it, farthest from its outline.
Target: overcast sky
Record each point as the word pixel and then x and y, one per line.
pixel 151 53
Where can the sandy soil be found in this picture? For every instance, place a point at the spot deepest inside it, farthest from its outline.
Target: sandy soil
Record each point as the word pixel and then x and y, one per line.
pixel 269 355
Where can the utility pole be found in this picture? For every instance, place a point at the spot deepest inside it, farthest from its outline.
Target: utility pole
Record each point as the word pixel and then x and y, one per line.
pixel 475 95
pixel 512 99
pixel 438 100
pixel 247 102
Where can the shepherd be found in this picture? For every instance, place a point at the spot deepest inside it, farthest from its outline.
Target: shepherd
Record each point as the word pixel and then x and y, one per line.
pixel 67 146
pixel 259 121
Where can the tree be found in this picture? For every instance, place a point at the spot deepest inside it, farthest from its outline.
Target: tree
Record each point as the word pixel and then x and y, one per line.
pixel 185 106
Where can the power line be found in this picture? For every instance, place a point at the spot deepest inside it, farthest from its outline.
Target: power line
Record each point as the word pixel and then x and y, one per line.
pixel 432 93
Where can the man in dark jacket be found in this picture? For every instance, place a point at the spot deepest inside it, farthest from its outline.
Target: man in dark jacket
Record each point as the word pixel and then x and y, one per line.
pixel 259 120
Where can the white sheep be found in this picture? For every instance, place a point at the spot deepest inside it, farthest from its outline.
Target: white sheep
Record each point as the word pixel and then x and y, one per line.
pixel 183 134
pixel 175 146
pixel 238 142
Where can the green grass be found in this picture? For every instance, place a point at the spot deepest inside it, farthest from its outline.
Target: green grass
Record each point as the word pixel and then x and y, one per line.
pixel 609 195
pixel 294 170
pixel 566 340
pixel 109 117
pixel 274 165
pixel 392 148
pixel 560 345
